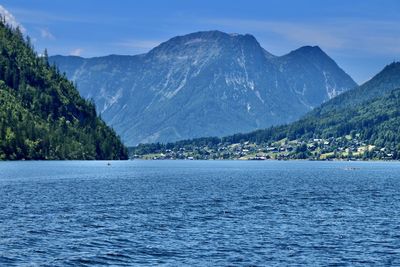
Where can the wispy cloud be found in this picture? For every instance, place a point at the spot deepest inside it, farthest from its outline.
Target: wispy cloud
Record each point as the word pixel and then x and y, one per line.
pixel 334 34
pixel 46 34
pixel 31 16
pixel 76 52
pixel 138 45
pixel 10 19
pixel 292 31
pixel 36 16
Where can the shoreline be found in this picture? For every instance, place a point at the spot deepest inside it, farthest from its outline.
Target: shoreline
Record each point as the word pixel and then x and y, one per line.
pixel 316 160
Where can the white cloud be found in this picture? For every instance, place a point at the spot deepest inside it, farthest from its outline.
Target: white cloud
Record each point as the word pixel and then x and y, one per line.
pixel 76 52
pixel 140 45
pixel 338 34
pixel 295 32
pixel 10 19
pixel 46 34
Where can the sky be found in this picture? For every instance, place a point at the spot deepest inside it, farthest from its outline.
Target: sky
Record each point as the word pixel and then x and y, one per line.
pixel 362 36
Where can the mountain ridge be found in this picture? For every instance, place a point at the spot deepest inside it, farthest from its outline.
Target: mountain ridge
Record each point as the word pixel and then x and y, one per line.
pixel 201 84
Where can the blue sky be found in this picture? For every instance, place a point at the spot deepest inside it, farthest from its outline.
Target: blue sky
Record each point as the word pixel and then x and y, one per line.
pixel 362 36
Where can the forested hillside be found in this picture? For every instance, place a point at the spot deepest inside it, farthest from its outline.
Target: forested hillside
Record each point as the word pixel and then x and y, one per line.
pixel 42 115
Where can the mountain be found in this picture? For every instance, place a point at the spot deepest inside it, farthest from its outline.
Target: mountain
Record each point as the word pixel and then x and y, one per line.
pixel 361 123
pixel 363 109
pixel 42 115
pixel 384 82
pixel 313 75
pixel 204 84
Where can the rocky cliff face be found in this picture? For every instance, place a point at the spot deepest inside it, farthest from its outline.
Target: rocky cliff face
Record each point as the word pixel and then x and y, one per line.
pixel 204 84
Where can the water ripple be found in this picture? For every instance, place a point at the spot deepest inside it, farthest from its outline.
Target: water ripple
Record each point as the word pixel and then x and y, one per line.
pixel 199 213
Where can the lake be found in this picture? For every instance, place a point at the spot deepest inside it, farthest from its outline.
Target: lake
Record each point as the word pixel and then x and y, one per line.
pixel 199 213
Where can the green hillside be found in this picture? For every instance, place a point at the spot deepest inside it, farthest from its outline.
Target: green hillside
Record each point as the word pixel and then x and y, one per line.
pixel 42 115
pixel 361 123
pixel 385 81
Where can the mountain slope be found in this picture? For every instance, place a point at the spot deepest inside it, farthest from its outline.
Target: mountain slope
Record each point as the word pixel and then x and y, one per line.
pixel 384 82
pixel 358 110
pixel 307 69
pixel 204 84
pixel 364 121
pixel 42 115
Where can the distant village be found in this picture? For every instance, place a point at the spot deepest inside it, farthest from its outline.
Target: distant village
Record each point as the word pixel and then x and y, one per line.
pixel 342 148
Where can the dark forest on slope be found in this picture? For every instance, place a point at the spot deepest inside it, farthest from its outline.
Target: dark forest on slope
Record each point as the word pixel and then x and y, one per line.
pixel 42 115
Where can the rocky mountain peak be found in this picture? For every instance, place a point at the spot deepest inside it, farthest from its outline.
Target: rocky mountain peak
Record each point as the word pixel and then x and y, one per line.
pixel 206 83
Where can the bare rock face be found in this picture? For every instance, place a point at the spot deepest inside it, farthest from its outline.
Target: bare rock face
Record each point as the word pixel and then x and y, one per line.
pixel 204 84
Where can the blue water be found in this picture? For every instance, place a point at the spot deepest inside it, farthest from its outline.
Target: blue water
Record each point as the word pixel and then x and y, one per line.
pixel 199 213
